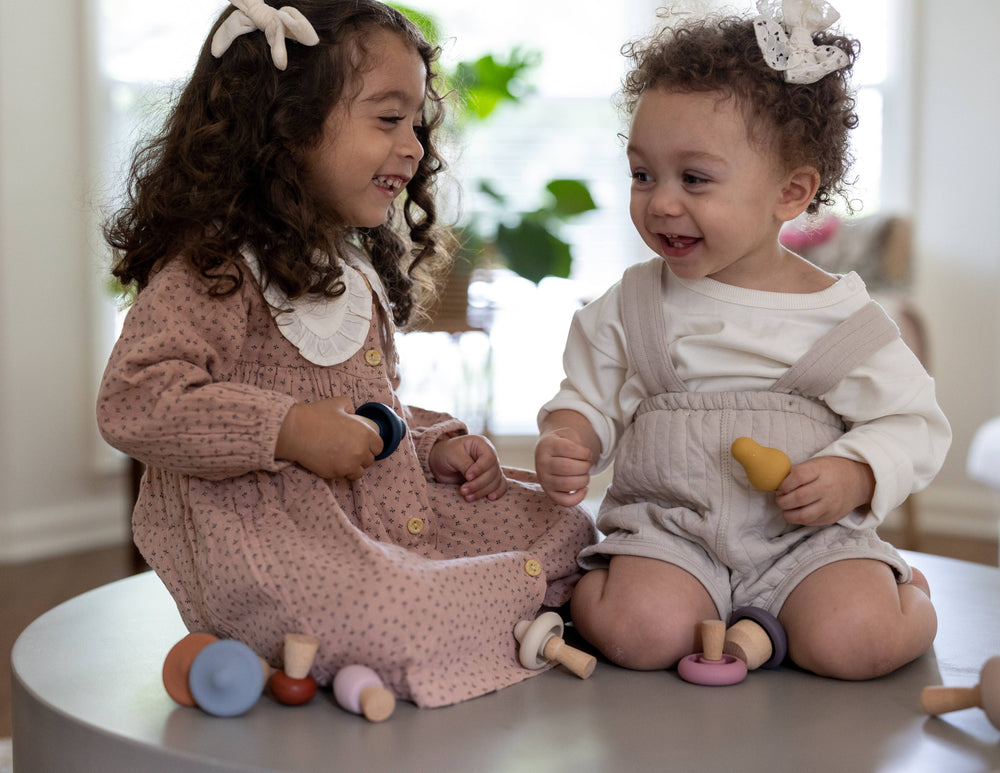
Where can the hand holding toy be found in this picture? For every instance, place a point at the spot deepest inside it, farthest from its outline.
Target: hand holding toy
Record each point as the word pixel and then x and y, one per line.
pixel 387 423
pixel 765 467
pixel 541 643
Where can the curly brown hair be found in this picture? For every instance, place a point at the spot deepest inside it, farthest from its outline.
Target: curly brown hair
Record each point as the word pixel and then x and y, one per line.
pixel 225 171
pixel 804 124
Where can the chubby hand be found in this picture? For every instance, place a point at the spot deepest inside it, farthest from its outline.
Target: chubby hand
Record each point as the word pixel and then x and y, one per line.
pixel 562 463
pixel 824 489
pixel 470 461
pixel 329 439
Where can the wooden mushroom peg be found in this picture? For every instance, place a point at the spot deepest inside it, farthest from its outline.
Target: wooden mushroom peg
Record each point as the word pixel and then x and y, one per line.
pixel 541 643
pixel 359 690
pixel 986 695
pixel 756 637
pixel 712 666
pixel 294 685
pixel 765 467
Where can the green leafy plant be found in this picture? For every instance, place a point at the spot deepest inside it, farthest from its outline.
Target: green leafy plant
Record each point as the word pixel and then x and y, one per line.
pixel 529 243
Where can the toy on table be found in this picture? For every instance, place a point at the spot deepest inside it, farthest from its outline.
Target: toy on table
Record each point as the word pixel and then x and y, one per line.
pixel 177 666
pixel 220 676
pixel 541 643
pixel 390 427
pixel 712 666
pixel 293 685
pixel 756 637
pixel 986 695
pixel 359 690
pixel 765 467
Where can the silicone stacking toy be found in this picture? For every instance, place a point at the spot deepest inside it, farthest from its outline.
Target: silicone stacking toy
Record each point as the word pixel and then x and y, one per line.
pixel 541 643
pixel 359 690
pixel 712 666
pixel 221 677
pixel 391 428
pixel 226 678
pixel 756 637
pixel 293 685
pixel 985 695
pixel 765 467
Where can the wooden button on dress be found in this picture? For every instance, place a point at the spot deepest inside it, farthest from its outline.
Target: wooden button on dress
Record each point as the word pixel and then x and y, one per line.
pixel 532 567
pixel 415 526
pixel 373 357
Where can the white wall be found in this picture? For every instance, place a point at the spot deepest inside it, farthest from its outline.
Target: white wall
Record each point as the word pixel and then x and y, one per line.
pixel 52 495
pixel 957 219
pixel 57 489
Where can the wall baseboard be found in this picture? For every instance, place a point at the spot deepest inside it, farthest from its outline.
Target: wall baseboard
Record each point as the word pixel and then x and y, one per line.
pixel 960 511
pixel 956 511
pixel 47 532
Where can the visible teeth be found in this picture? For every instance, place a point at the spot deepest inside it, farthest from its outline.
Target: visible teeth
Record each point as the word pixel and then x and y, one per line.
pixel 391 183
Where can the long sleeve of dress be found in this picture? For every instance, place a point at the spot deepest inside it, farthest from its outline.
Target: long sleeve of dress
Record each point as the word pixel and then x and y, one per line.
pixel 166 397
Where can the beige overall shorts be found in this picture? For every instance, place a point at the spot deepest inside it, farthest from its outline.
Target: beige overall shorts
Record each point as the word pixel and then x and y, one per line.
pixel 678 496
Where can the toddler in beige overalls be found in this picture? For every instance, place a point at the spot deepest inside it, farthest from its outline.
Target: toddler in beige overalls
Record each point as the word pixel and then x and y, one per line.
pixel 676 495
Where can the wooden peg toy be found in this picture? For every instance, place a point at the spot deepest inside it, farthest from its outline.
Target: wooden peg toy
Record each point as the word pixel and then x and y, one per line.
pixel 541 643
pixel 765 467
pixel 358 689
pixel 756 637
pixel 387 423
pixel 986 695
pixel 712 666
pixel 294 685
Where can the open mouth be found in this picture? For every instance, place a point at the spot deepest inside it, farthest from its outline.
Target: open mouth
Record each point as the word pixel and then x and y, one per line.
pixel 394 184
pixel 678 242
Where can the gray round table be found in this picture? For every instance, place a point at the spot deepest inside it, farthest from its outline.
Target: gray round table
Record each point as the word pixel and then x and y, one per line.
pixel 88 696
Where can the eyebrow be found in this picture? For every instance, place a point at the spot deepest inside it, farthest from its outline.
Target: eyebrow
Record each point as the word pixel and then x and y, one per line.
pixel 687 156
pixel 389 95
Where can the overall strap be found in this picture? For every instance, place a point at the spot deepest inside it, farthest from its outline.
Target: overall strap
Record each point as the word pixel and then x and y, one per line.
pixel 839 352
pixel 646 327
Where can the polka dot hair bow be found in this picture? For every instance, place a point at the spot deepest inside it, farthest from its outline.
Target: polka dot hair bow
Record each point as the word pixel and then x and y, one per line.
pixel 276 24
pixel 785 30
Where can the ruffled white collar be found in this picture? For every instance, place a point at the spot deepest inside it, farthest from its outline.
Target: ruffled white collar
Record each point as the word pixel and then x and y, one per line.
pixel 328 331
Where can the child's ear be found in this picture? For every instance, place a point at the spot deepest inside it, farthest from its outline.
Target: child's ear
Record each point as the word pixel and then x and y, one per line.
pixel 797 193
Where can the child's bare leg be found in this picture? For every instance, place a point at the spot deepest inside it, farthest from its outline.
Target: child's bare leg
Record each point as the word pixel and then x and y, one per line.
pixel 851 620
pixel 641 613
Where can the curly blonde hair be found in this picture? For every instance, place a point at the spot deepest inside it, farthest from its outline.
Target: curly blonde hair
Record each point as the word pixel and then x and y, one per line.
pixel 804 124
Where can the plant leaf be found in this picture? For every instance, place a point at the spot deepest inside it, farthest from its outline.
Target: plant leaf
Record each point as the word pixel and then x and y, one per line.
pixel 572 197
pixel 534 252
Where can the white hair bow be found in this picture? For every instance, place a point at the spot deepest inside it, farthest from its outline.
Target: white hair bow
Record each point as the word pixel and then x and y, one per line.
pixel 276 24
pixel 784 33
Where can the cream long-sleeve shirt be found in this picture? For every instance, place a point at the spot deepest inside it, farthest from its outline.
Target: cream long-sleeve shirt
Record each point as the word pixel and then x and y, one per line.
pixel 727 338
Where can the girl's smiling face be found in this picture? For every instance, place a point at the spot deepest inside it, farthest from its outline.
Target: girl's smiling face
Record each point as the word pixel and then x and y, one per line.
pixel 370 147
pixel 704 197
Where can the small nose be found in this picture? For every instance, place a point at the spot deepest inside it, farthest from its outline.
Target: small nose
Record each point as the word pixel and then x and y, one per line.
pixel 665 200
pixel 411 146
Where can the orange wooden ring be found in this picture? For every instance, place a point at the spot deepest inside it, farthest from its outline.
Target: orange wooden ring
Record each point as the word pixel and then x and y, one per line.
pixel 177 666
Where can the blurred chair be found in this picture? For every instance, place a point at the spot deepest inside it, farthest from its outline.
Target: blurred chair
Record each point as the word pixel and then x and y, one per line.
pixel 880 249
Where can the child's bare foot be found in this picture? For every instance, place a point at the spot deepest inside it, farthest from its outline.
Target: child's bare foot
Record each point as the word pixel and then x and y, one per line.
pixel 919 581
